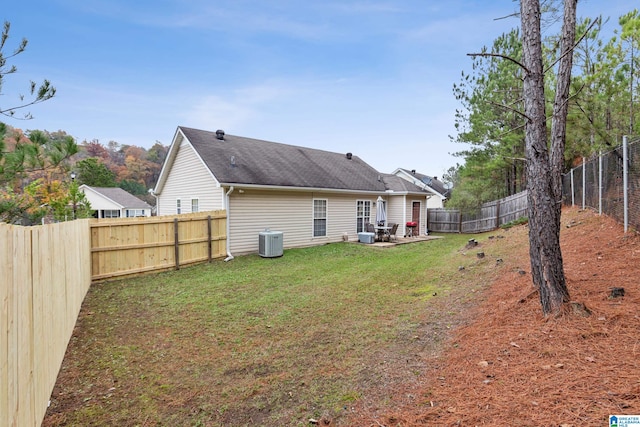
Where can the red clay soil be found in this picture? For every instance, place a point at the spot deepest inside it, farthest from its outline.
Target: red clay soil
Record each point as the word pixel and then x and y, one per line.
pixel 508 365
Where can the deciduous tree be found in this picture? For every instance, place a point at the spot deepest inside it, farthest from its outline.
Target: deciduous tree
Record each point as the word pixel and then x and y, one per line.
pixel 95 173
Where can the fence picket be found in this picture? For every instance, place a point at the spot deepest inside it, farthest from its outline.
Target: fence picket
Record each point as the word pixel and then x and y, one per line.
pixel 491 216
pixel 46 273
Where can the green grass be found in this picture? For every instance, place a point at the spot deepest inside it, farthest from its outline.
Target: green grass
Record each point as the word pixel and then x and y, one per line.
pixel 253 341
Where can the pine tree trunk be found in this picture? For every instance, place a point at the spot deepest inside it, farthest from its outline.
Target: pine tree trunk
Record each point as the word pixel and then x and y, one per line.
pixel 544 209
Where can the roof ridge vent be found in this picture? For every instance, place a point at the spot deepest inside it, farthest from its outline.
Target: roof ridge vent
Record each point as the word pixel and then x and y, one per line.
pixel 349 156
pixel 220 134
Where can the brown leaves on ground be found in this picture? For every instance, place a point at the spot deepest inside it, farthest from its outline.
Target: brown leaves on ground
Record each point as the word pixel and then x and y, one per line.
pixel 510 366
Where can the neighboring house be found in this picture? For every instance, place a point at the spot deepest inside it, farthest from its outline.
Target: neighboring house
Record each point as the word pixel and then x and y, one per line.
pixel 114 202
pixel 312 196
pixel 438 193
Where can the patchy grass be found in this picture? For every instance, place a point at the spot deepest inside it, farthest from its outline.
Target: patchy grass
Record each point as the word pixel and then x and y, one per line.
pixel 520 221
pixel 263 341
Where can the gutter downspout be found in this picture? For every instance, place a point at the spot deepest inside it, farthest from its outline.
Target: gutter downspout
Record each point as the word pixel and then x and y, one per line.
pixel 226 201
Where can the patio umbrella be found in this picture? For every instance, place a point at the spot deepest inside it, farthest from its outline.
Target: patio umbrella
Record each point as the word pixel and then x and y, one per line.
pixel 381 213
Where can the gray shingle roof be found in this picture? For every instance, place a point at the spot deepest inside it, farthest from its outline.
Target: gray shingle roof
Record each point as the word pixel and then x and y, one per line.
pixel 121 197
pixel 397 184
pixel 432 182
pixel 240 160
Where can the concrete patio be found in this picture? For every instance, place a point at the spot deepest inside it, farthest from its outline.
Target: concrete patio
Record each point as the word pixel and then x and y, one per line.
pixel 400 241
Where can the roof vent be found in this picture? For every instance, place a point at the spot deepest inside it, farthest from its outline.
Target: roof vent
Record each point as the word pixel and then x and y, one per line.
pixel 220 134
pixel 413 171
pixel 349 156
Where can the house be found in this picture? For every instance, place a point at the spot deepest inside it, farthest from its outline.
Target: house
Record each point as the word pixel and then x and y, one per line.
pixel 114 202
pixel 438 193
pixel 312 196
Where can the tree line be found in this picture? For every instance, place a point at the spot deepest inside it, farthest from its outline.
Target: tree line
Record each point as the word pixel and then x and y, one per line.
pixel 40 173
pixel 602 104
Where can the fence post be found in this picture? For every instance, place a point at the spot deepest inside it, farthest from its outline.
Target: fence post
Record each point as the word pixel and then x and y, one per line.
pixel 498 214
pixel 176 243
pixel 573 190
pixel 600 183
pixel 584 182
pixel 625 181
pixel 209 237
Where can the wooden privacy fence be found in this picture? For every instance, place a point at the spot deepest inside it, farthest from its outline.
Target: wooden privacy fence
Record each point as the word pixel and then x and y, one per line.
pixel 122 247
pixel 45 273
pixel 44 276
pixel 491 216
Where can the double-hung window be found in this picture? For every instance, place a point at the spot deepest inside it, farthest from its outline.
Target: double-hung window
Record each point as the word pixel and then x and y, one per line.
pixel 194 205
pixel 319 217
pixel 178 207
pixel 363 214
pixel 111 213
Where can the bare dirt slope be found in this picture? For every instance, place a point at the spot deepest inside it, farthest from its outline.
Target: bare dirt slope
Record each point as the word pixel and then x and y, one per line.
pixel 510 366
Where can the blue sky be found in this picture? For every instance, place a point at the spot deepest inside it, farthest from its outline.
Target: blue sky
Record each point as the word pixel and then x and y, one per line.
pixel 371 77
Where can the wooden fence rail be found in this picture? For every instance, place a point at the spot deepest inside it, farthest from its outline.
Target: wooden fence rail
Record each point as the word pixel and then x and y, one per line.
pixel 491 216
pixel 45 273
pixel 122 247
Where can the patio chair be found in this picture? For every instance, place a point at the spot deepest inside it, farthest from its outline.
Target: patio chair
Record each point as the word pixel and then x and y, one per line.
pixel 392 232
pixel 369 228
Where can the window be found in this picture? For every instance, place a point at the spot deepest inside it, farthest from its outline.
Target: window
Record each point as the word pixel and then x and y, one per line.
pixel 363 214
pixel 111 213
pixel 319 217
pixel 194 205
pixel 178 208
pixel 131 213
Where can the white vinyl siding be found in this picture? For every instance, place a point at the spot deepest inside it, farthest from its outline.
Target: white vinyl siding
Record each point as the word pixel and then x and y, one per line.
pixel 254 211
pixel 189 177
pixel 396 212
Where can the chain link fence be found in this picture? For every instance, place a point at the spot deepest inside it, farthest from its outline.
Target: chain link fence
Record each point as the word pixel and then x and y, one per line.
pixel 605 185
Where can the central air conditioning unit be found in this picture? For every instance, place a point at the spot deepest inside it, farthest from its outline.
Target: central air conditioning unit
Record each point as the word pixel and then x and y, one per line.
pixel 270 244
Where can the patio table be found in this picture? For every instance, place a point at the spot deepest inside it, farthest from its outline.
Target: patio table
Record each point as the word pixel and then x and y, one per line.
pixel 382 231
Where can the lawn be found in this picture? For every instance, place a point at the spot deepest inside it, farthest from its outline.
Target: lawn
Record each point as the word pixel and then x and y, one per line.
pixel 260 341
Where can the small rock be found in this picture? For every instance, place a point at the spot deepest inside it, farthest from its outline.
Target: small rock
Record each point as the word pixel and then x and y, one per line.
pixel 483 364
pixel 480 255
pixel 461 268
pixel 616 292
